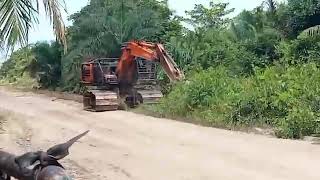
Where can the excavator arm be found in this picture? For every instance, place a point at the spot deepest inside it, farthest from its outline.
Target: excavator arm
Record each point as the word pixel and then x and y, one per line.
pixel 149 51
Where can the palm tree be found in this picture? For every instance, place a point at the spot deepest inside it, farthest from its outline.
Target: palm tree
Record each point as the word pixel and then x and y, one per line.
pixel 18 16
pixel 271 6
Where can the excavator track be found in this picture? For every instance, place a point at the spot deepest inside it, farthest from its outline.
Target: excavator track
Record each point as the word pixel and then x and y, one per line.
pixel 100 100
pixel 150 96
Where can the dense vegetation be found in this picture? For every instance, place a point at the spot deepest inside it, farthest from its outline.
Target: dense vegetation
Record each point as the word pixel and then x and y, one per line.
pixel 258 68
pixel 36 66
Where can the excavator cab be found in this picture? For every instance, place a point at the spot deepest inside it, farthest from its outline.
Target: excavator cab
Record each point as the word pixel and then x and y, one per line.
pixel 99 72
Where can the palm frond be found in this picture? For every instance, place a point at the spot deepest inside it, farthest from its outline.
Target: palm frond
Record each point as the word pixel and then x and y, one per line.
pixel 271 5
pixel 16 18
pixel 53 11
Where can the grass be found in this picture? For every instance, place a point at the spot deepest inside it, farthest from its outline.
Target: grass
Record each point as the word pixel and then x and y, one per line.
pixel 152 111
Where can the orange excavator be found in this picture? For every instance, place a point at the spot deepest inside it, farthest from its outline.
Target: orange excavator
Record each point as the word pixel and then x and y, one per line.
pixel 112 83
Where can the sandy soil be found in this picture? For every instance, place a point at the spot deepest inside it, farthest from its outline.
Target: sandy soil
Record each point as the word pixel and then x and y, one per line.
pixel 124 145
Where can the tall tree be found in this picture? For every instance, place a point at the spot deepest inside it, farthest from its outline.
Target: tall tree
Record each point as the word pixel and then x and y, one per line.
pixel 101 27
pixel 212 17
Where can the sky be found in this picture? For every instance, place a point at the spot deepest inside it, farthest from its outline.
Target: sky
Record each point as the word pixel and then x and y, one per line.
pixel 43 30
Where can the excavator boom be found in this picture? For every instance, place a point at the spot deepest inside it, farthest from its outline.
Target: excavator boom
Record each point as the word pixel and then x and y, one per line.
pixel 151 52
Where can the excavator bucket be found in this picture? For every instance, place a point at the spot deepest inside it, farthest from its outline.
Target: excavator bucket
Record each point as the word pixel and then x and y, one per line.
pixel 100 100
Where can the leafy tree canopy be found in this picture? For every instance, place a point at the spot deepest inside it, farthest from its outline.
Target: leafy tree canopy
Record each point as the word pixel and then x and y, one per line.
pixel 212 17
pixel 101 27
pixel 303 14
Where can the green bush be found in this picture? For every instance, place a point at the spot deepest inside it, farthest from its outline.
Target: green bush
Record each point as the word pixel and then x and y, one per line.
pixel 287 99
pixel 37 65
pixel 301 50
pixel 211 48
pixel 299 122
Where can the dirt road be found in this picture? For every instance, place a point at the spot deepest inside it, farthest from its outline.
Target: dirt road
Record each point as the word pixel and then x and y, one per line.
pixel 124 145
